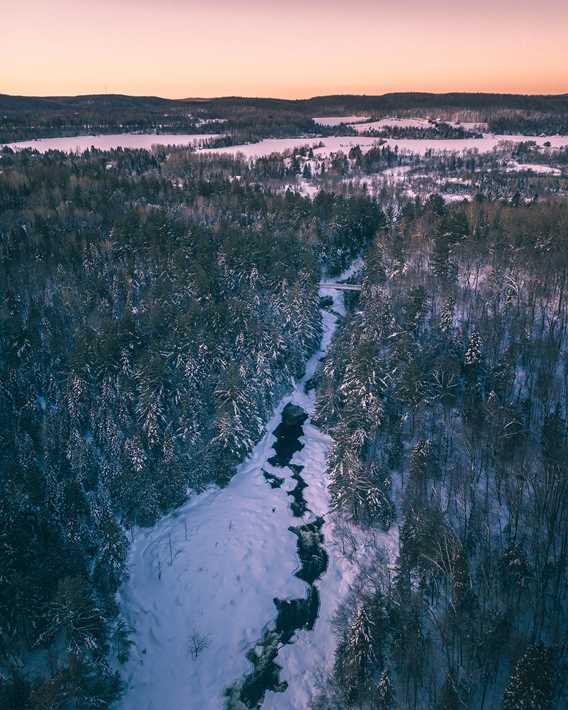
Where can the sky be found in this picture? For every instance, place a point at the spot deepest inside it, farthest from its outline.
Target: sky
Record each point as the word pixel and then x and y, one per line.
pixel 289 49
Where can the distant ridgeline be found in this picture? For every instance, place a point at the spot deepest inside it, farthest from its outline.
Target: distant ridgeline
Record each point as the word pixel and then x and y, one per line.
pixel 251 119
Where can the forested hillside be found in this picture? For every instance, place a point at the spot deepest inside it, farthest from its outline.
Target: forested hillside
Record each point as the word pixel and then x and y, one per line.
pixel 253 118
pixel 445 394
pixel 154 306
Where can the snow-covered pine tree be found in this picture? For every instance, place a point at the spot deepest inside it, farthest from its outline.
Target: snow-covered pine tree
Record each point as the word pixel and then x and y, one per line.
pixel 355 657
pixel 362 388
pixel 447 316
pixel 472 355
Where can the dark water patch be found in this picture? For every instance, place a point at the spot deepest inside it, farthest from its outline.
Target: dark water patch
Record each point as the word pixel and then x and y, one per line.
pixel 326 302
pixel 265 676
pixel 313 383
pixel 310 384
pixel 288 434
pixel 298 505
pixel 311 551
pixel 296 614
pixel 272 480
pixel 293 615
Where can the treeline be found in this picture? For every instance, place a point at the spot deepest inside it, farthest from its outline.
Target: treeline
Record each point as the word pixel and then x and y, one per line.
pixel 436 130
pixel 530 125
pixel 446 393
pixel 153 308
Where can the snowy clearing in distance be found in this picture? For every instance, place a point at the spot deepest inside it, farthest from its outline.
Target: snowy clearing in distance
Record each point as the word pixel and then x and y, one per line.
pixel 363 123
pixel 332 144
pixel 419 146
pixel 537 168
pixel 212 569
pixel 79 144
pixel 338 120
pixel 480 126
pixel 392 122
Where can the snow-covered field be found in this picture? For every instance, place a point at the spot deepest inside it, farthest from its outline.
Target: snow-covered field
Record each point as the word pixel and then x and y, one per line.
pixel 419 146
pixel 457 145
pixel 338 120
pixel 362 123
pixel 480 126
pixel 391 122
pixel 211 570
pixel 331 144
pixel 78 144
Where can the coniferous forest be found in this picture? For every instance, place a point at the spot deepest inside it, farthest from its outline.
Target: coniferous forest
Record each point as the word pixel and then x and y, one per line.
pixel 156 308
pixel 147 331
pixel 445 393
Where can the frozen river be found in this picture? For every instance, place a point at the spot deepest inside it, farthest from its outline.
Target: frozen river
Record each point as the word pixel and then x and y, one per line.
pixel 226 584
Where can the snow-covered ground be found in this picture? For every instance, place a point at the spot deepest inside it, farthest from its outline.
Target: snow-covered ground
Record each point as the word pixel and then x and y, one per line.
pixel 362 124
pixel 397 173
pixel 307 188
pixel 212 569
pixel 392 122
pixel 331 144
pixel 419 146
pixel 338 120
pixel 480 126
pixel 537 168
pixel 78 144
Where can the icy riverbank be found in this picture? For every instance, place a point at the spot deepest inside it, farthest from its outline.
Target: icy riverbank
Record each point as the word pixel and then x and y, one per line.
pixel 203 580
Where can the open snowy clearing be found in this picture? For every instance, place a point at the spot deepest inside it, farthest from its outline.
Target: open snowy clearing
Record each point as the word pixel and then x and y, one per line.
pixel 480 126
pixel 537 168
pixel 211 570
pixel 338 120
pixel 419 146
pixel 78 144
pixel 392 122
pixel 331 144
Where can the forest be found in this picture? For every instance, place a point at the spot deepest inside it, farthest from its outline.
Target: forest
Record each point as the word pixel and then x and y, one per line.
pixel 156 305
pixel 445 395
pixel 153 310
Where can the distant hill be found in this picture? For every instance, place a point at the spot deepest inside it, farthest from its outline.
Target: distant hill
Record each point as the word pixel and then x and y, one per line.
pixel 246 118
pixel 348 102
pixel 469 101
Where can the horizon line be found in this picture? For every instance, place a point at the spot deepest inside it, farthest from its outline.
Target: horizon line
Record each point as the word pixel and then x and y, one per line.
pixel 285 98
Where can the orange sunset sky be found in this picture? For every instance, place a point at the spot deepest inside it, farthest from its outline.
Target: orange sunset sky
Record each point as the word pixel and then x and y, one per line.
pixel 184 48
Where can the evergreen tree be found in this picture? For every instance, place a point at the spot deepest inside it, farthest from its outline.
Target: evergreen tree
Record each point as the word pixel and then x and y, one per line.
pixel 385 693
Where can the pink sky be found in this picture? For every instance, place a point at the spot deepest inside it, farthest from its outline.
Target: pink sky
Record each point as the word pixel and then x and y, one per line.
pixel 182 48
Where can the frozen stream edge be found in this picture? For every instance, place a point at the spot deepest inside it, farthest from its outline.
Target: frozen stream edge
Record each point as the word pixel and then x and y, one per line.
pixel 214 566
